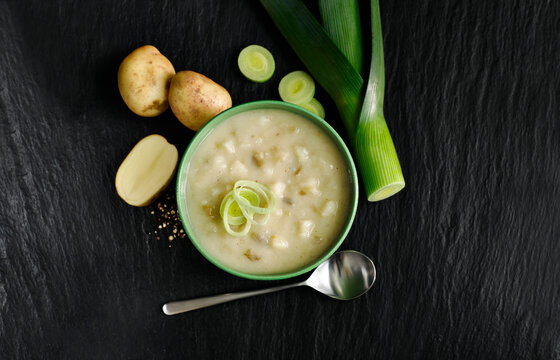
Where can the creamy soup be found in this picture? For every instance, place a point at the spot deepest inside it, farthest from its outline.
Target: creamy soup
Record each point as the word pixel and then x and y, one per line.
pixel 299 162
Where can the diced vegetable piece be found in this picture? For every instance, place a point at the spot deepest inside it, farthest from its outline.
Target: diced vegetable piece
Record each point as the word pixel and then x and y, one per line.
pixel 256 63
pixel 238 169
pixel 297 88
pixel 268 170
pixel 282 156
pixel 278 242
pixel 229 146
pixel 249 255
pixel 208 209
pixel 311 186
pixel 264 120
pixel 302 153
pixel 217 162
pixel 262 237
pixel 258 158
pixel 315 107
pixel 329 208
pixel 278 188
pixel 305 228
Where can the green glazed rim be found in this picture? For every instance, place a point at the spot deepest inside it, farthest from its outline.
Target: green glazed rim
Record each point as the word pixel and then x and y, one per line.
pixel 263 105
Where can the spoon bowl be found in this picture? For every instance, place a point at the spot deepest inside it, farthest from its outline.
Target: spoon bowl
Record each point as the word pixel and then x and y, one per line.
pixel 344 276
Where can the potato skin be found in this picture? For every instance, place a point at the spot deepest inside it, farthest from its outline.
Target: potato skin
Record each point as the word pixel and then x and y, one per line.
pixel 195 99
pixel 144 78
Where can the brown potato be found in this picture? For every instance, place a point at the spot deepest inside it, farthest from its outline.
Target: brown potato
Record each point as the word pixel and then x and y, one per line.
pixel 195 99
pixel 144 79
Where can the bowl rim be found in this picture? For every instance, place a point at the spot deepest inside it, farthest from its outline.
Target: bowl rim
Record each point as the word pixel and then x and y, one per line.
pixel 205 131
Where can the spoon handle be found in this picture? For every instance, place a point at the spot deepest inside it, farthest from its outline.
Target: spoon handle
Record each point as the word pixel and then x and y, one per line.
pixel 177 307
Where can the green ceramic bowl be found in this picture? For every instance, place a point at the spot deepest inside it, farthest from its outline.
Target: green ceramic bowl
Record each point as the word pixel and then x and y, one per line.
pixel 182 204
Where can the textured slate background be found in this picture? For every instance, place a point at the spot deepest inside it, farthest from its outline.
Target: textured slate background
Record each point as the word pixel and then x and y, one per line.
pixel 468 255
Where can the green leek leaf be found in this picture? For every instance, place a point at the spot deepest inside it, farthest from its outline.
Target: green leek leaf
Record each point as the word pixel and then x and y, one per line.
pixel 341 19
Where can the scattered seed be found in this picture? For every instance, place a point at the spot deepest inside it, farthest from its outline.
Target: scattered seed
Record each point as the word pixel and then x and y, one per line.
pixel 167 219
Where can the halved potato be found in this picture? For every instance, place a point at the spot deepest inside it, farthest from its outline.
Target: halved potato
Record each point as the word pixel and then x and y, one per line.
pixel 146 171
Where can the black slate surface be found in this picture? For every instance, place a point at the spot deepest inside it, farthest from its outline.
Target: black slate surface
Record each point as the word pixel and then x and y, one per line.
pixel 468 255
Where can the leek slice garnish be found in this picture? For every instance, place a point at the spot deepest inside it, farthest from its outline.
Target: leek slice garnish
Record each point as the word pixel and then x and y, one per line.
pixel 298 87
pixel 256 63
pixel 226 208
pixel 243 202
pixel 315 107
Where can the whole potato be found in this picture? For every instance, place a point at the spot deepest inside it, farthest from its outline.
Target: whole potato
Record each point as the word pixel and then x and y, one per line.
pixel 144 78
pixel 195 99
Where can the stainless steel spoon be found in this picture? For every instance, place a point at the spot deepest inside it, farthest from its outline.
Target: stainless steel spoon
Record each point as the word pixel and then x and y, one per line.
pixel 344 276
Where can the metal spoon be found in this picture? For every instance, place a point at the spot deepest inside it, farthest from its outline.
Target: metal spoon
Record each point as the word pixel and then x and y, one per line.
pixel 344 276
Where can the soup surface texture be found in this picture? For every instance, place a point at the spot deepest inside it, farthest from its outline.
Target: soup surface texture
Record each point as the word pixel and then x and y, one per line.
pixel 304 169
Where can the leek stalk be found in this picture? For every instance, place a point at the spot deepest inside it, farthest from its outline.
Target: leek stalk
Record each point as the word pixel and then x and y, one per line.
pixel 360 105
pixel 374 146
